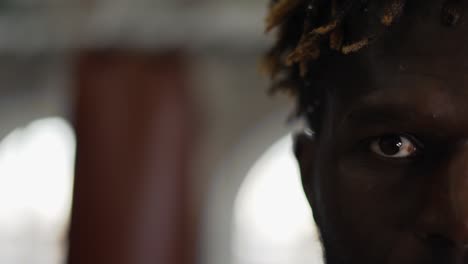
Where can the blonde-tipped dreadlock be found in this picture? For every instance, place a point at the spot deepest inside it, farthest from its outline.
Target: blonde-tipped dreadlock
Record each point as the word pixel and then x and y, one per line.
pixel 308 30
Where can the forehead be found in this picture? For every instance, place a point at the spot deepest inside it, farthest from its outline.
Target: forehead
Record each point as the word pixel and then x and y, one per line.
pixel 420 65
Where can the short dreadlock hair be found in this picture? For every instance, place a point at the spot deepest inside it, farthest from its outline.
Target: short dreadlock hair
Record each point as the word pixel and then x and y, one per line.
pixel 310 31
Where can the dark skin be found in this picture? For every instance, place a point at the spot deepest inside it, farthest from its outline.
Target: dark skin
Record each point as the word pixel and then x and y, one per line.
pixel 387 176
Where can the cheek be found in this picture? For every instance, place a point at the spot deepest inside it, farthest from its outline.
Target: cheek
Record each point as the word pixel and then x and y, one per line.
pixel 374 208
pixel 387 193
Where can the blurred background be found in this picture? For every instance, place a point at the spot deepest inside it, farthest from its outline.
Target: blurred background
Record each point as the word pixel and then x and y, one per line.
pixel 138 131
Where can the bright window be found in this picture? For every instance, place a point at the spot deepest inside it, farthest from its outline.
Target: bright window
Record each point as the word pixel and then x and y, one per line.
pixel 272 220
pixel 36 172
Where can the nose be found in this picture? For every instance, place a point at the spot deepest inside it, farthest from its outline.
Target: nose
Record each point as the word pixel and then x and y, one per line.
pixel 445 217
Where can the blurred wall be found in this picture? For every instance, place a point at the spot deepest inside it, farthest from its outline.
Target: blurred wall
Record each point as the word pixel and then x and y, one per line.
pixel 222 41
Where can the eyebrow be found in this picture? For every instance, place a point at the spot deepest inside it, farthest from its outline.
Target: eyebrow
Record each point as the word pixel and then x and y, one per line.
pixel 387 114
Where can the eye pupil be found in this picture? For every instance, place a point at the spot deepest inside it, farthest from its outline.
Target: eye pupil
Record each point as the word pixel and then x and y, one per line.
pixel 390 145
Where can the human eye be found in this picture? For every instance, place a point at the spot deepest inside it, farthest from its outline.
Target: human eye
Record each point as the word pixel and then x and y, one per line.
pixel 395 146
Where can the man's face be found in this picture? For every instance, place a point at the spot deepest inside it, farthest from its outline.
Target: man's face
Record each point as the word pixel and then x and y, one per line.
pixel 387 177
